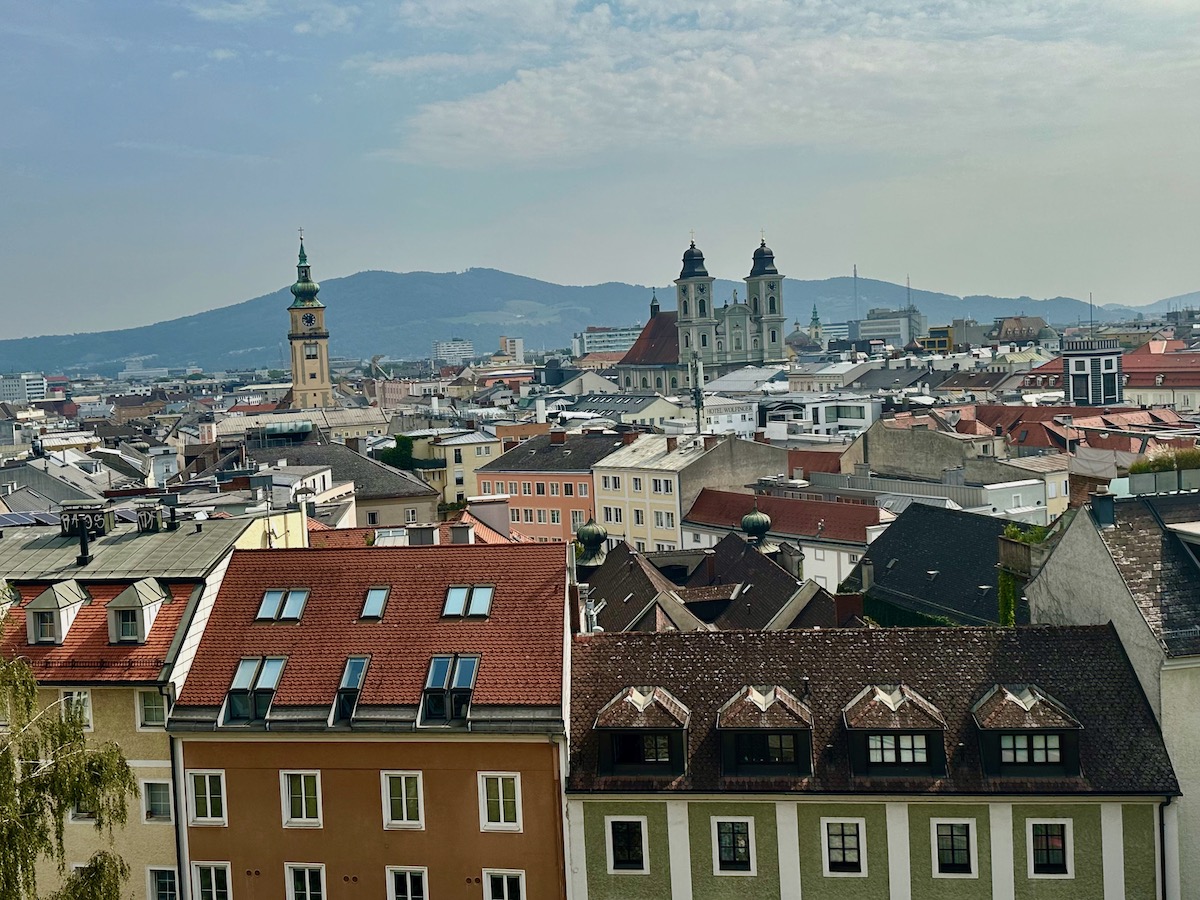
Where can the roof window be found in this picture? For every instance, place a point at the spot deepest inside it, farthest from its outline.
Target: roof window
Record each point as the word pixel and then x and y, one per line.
pixel 375 603
pixel 469 600
pixel 49 615
pixel 349 689
pixel 132 612
pixel 253 689
pixel 282 605
pixel 448 689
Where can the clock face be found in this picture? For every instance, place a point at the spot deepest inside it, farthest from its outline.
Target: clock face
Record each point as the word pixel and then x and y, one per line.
pixel 700 288
pixel 770 285
pixel 309 319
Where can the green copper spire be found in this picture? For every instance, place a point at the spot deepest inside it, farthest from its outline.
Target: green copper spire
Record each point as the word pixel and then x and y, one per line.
pixel 305 289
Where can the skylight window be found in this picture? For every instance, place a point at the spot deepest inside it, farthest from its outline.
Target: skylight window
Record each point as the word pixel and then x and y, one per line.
pixel 469 600
pixel 282 605
pixel 375 603
pixel 253 688
pixel 351 686
pixel 448 689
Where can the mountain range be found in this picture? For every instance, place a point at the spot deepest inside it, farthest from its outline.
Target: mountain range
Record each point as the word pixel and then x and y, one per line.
pixel 399 315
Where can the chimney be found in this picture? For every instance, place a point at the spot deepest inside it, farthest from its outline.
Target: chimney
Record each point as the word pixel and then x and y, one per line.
pixel 629 437
pixel 539 406
pixel 558 435
pixel 672 443
pixel 492 511
pixel 867 574
pixel 84 556
pixel 462 533
pixel 710 565
pixel 846 607
pixel 1104 508
pixel 711 440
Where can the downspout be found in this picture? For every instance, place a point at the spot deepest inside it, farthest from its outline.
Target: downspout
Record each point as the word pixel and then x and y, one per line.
pixel 183 866
pixel 1162 847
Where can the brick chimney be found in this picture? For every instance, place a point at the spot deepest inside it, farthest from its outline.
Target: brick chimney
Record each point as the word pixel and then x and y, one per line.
pixel 558 435
pixel 629 437
pixel 672 443
pixel 846 606
pixel 711 440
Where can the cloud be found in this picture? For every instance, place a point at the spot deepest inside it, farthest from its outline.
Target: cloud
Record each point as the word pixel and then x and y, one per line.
pixel 928 77
pixel 222 54
pixel 234 11
pixel 179 74
pixel 327 18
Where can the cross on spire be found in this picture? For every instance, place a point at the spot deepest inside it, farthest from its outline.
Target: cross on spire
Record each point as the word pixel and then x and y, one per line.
pixel 763 233
pixel 301 230
pixel 693 234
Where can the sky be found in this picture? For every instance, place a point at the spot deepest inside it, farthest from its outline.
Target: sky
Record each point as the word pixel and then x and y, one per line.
pixel 157 157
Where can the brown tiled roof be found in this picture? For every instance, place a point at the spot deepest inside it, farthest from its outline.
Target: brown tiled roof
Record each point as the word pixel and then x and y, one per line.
pixel 1021 706
pixel 777 708
pixel 799 518
pixel 1084 667
pixel 814 461
pixel 85 655
pixel 1160 573
pixel 647 707
pixel 891 706
pixel 657 345
pixel 520 642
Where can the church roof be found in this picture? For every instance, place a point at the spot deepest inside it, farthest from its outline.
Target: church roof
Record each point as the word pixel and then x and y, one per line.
pixel 657 345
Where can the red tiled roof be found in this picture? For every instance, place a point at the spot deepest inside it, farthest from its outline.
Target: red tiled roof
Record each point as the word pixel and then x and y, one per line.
pixel 520 644
pixel 814 461
pixel 316 525
pixel 843 521
pixel 657 345
pixel 85 655
pixel 325 538
pixel 252 408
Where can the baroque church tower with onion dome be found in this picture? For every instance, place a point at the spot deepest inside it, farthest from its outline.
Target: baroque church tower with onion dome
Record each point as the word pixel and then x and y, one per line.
pixel 312 386
pixel 722 334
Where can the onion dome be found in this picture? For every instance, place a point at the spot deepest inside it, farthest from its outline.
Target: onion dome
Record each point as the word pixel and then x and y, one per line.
pixel 305 289
pixel 913 346
pixel 693 263
pixel 800 340
pixel 764 261
pixel 756 524
pixel 1047 334
pixel 593 537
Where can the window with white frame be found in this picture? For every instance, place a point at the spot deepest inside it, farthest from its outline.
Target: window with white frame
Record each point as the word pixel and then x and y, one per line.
pixel 206 797
pixel 954 851
pixel 403 805
pixel 79 702
pixel 527 488
pixel 1050 848
pixel 554 489
pixel 151 709
pixel 1030 749
pixel 844 847
pixel 514 515
pixel 637 484
pixel 527 515
pixel 583 489
pixel 556 517
pixel 896 749
pixel 627 845
pixel 210 881
pixel 604 482
pixel 301 795
pixel 305 881
pixel 127 625
pixel 733 845
pixel 499 801
pixel 616 482
pixel 512 487
pixel 503 884
pixel 568 489
pixel 541 517
pixel 410 515
pixel 407 883
pixel 156 802
pixel 163 884
pixel 639 517
pixel 485 487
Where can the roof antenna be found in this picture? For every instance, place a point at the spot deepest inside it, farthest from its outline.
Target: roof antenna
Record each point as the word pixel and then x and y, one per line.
pixel 1091 317
pixel 856 290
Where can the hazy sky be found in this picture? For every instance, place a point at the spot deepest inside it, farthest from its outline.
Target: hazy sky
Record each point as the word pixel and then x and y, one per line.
pixel 156 157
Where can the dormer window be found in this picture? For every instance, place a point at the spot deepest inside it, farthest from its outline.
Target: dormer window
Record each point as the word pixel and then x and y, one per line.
pixel 448 689
pixel 132 612
pixel 765 731
pixel 349 689
pixel 282 605
pixel 375 603
pixel 469 600
pixel 253 689
pixel 895 731
pixel 49 615
pixel 1024 732
pixel 646 730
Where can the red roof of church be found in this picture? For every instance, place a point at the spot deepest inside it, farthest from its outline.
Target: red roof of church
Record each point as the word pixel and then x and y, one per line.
pixel 657 345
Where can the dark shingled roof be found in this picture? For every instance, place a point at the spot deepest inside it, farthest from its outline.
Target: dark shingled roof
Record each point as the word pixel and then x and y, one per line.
pixel 1084 667
pixel 1160 572
pixel 657 345
pixel 578 453
pixel 960 547
pixel 372 479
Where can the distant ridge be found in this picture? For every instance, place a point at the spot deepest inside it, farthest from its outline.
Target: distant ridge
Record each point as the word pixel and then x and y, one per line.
pixel 401 314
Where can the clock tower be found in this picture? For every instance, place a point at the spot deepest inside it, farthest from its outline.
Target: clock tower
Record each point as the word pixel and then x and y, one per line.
pixel 311 383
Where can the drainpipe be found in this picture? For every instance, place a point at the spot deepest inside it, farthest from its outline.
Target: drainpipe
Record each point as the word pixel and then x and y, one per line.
pixel 183 876
pixel 1165 893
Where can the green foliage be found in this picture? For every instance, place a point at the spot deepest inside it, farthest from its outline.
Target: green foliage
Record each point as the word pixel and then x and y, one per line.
pixel 1166 461
pixel 1006 592
pixel 400 456
pixel 47 768
pixel 1035 534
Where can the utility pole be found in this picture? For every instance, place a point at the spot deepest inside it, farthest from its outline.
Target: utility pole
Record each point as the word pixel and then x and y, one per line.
pixel 698 389
pixel 856 290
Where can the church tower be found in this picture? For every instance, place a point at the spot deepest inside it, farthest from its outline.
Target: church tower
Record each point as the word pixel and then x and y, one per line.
pixel 814 327
pixel 311 382
pixel 697 321
pixel 764 294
